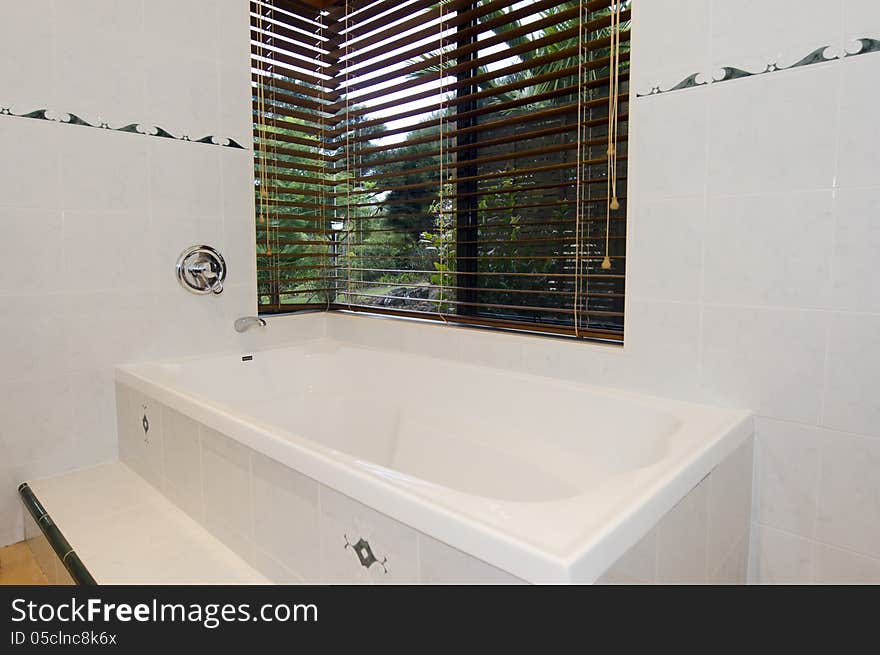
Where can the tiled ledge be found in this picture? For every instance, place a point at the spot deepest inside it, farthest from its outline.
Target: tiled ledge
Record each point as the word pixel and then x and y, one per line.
pixel 126 532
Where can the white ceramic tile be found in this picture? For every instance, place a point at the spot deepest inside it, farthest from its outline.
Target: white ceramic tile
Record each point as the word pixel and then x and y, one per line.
pixel 239 231
pixel 274 570
pixel 183 94
pixel 670 50
pixel 490 349
pixel 442 564
pixel 669 138
pixel 92 418
pixel 749 34
pixel 836 566
pixel 780 557
pixel 27 73
pixel 681 540
pixel 188 26
pixel 734 569
pixel 638 565
pixel 769 249
pixel 234 36
pixel 108 251
pixel 851 401
pixel 31 345
pixel 763 136
pixel 101 73
pixel 140 448
pixel 182 462
pixel 125 550
pixel 856 244
pixel 664 250
pixel 729 506
pixel 861 18
pixel 237 168
pixel 30 250
pixel 105 329
pixel 240 544
pixel 188 309
pixel 103 170
pixel 342 519
pixel 786 477
pixel 286 516
pixel 185 179
pixel 35 439
pixel 227 484
pixel 848 512
pixel 745 365
pixel 659 336
pixel 236 117
pixel 92 496
pixel 82 16
pixel 859 160
pixel 30 170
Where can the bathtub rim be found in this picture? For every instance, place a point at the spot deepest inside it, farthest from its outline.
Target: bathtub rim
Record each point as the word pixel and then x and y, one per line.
pixel 586 559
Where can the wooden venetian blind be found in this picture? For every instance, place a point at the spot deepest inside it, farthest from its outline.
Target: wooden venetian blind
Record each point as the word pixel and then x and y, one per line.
pixel 463 161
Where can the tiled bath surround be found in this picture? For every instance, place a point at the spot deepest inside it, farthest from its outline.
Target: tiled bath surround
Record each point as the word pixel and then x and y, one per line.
pixel 703 539
pixel 294 529
pixel 288 526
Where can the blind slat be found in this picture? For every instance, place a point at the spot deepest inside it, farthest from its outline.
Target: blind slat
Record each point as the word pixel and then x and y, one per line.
pixel 419 159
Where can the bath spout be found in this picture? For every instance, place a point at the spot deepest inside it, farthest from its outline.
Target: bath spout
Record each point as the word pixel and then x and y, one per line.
pixel 245 323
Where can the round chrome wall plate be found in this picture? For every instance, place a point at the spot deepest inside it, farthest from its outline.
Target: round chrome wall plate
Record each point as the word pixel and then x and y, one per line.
pixel 201 270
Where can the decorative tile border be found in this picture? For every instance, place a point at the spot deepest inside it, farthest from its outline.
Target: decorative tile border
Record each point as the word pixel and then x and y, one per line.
pixel 817 56
pixel 132 128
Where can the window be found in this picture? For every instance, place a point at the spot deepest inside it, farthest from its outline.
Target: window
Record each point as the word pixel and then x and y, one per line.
pixel 462 160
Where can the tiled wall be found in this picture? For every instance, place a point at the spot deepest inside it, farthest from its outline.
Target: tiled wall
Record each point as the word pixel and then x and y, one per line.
pixel 758 219
pixel 92 220
pixel 754 233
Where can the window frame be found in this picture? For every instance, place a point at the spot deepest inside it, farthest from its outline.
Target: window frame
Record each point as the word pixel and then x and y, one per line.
pixel 467 223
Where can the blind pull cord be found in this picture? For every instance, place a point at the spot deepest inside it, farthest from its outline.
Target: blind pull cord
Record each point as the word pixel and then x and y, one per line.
pixel 613 92
pixel 444 260
pixel 579 174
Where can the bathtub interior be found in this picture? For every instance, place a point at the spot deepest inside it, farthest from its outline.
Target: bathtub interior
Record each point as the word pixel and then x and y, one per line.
pixel 470 428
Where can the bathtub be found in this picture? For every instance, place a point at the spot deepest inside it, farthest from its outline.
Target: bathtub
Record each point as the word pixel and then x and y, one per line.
pixel 379 457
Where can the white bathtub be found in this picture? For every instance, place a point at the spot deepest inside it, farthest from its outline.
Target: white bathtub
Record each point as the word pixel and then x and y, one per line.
pixel 546 480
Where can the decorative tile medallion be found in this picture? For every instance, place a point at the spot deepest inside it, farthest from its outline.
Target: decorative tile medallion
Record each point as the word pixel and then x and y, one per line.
pixel 131 128
pixel 145 424
pixel 821 55
pixel 365 554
